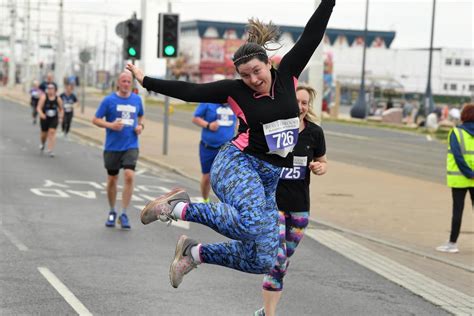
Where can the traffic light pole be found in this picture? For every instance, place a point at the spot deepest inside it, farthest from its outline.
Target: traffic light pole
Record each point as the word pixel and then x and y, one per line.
pixel 166 115
pixel 166 106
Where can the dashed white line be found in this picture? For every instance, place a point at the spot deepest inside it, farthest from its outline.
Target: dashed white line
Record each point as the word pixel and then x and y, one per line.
pixel 62 289
pixel 21 246
pixel 346 135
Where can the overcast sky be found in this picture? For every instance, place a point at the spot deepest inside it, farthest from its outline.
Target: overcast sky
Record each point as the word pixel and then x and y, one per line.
pixel 411 19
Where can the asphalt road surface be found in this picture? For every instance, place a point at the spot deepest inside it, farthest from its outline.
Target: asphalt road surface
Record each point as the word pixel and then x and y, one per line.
pixel 58 258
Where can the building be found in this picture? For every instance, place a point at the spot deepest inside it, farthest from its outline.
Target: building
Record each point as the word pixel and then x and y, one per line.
pixel 207 48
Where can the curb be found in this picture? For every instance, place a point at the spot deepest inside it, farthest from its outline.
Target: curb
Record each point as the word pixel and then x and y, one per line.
pixel 393 245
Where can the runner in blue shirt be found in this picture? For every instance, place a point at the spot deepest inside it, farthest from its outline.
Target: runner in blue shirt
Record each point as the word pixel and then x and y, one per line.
pixel 121 114
pixel 218 126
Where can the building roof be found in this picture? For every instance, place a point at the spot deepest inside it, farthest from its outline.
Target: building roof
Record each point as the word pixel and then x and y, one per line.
pixel 295 31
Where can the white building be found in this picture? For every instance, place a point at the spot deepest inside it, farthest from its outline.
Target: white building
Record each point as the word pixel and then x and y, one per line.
pixel 208 47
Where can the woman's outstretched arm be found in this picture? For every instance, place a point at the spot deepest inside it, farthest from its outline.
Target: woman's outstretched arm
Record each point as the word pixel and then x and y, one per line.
pixel 296 59
pixel 215 92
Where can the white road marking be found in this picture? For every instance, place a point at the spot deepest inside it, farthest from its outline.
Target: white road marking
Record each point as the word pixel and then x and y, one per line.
pixel 140 172
pixel 68 296
pixel 439 294
pixel 84 194
pixel 50 192
pixel 21 246
pixel 346 135
pixel 95 185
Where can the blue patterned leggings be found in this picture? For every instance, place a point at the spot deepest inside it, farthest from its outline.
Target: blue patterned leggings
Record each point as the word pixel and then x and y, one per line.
pixel 292 227
pixel 248 212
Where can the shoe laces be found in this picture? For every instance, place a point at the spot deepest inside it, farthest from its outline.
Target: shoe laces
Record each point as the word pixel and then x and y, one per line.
pixel 166 218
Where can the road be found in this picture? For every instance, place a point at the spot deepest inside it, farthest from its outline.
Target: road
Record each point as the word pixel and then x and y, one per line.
pixel 58 258
pixel 399 152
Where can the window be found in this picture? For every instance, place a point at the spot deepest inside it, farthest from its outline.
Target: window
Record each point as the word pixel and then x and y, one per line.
pixel 467 62
pixel 457 61
pixel 445 86
pixel 471 87
pixel 449 61
pixel 453 87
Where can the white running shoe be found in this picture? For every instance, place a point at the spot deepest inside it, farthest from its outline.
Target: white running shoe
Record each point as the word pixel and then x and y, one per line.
pixel 450 247
pixel 183 261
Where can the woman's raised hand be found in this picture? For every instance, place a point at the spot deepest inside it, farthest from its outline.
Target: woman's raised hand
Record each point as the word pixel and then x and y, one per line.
pixel 137 72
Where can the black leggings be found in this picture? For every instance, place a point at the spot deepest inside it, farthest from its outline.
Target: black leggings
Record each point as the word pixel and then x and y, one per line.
pixel 67 121
pixel 459 194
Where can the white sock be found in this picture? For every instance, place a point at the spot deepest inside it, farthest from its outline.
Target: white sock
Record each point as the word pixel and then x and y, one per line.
pixel 195 253
pixel 178 209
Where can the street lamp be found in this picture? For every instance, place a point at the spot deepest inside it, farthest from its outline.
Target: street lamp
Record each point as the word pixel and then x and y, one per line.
pixel 360 109
pixel 428 103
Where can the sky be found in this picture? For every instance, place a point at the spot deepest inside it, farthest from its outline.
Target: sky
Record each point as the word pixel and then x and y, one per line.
pixel 86 20
pixel 411 19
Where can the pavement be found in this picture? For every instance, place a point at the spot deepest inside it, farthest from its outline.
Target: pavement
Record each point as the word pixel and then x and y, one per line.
pixel 403 217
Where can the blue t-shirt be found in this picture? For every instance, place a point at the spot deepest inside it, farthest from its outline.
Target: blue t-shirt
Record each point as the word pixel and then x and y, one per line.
pixel 127 110
pixel 223 114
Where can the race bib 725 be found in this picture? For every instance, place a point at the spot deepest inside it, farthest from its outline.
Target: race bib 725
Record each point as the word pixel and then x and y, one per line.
pixel 298 172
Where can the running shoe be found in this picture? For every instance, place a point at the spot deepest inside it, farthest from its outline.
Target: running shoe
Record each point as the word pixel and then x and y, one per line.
pixel 123 221
pixel 183 261
pixel 260 312
pixel 162 207
pixel 41 147
pixel 51 154
pixel 111 219
pixel 450 247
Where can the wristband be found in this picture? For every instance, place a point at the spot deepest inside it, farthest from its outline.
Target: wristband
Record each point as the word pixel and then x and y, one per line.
pixel 143 125
pixel 207 126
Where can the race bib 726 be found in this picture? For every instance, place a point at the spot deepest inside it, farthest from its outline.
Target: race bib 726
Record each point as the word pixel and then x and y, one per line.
pixel 281 136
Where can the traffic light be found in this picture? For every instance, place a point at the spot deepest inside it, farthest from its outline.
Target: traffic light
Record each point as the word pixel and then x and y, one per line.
pixel 132 41
pixel 168 33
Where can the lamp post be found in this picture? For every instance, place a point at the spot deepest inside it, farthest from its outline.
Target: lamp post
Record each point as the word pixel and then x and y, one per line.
pixel 360 109
pixel 428 103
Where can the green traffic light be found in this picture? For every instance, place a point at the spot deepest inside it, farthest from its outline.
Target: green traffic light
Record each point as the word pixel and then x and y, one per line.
pixel 169 50
pixel 132 52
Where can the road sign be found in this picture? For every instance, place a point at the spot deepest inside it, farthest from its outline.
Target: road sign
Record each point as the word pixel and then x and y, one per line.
pixel 85 56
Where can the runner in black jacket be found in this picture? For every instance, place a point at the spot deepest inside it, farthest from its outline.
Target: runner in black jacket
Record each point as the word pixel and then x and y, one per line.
pixel 245 173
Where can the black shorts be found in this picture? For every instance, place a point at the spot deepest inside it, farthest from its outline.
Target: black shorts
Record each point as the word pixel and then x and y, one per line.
pixel 116 160
pixel 49 122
